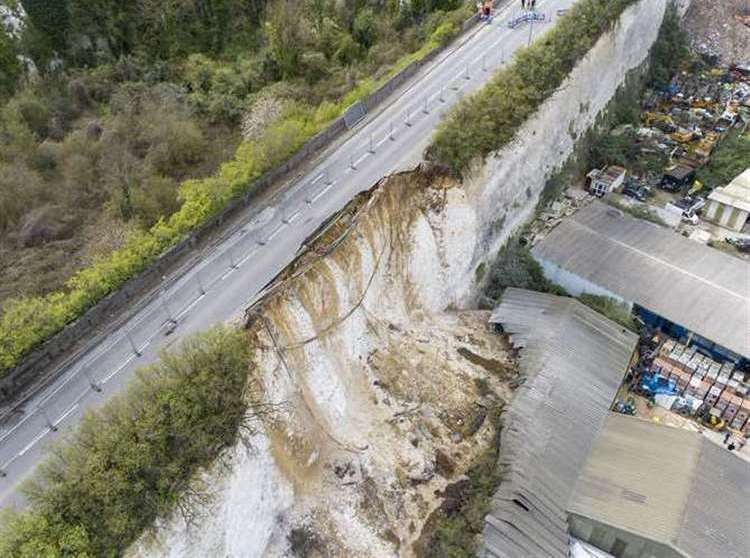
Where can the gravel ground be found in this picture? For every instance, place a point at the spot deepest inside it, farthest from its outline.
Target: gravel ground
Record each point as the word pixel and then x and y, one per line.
pixel 715 30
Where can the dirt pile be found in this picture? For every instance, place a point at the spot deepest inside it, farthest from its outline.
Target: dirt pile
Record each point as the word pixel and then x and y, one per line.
pixel 718 28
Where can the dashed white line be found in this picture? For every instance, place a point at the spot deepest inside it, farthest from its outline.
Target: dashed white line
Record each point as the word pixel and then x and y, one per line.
pixel 317 178
pixel 276 231
pixel 293 216
pixel 124 364
pixel 323 191
pixel 66 413
pixel 31 444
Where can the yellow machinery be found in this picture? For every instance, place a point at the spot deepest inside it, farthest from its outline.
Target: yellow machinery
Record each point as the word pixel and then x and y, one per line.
pixel 713 421
pixel 682 136
pixel 652 118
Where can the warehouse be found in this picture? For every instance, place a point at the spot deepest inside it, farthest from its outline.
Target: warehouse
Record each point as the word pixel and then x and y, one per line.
pixel 690 291
pixel 572 360
pixel 729 206
pixel 652 491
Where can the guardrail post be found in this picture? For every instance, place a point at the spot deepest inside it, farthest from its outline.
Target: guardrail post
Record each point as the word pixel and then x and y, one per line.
pixel 132 343
pixel 166 307
pixel 201 288
pixel 47 420
pixel 96 387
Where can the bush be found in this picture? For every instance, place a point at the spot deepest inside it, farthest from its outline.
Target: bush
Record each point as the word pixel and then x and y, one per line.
pixel 488 120
pixel 460 520
pixel 514 266
pixel 611 308
pixel 134 460
pixel 728 161
pixel 670 50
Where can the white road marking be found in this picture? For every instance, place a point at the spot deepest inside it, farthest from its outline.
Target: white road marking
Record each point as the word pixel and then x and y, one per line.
pixel 66 413
pixel 276 231
pixel 323 191
pixel 33 442
pixel 293 216
pixel 317 178
pixel 124 364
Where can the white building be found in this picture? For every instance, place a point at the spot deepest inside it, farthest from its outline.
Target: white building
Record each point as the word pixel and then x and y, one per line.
pixel 604 181
pixel 729 206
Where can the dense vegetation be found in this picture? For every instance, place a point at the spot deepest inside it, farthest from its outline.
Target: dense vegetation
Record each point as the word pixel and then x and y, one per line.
pixel 488 120
pixel 107 158
pixel 514 266
pixel 454 528
pixel 731 157
pixel 611 308
pixel 134 460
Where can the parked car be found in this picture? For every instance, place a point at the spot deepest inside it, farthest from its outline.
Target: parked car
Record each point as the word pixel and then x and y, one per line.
pixel 635 190
pixel 688 208
pixel 742 244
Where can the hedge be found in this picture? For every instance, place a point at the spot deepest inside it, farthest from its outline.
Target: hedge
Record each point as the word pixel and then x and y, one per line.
pixel 27 322
pixel 489 119
pixel 135 459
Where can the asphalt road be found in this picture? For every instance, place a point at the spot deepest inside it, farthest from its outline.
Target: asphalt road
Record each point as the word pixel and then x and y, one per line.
pixel 222 284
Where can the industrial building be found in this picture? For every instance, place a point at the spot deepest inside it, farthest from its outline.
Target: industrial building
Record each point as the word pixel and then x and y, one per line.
pixel 729 206
pixel 692 292
pixel 573 361
pixel 574 471
pixel 650 491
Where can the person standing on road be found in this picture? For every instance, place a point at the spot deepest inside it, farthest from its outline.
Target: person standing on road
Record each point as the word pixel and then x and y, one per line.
pixel 726 437
pixel 523 4
pixel 533 5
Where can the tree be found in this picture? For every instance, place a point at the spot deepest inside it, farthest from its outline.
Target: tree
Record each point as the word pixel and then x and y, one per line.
pixel 50 22
pixel 10 69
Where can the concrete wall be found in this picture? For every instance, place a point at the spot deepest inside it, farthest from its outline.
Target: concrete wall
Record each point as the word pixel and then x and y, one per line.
pixel 575 284
pixel 725 215
pixel 605 537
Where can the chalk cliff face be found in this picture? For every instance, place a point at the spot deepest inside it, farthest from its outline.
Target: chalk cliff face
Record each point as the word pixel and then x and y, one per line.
pixel 382 379
pixel 383 391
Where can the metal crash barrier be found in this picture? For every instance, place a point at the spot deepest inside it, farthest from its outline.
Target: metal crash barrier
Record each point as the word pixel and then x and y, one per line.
pixel 524 17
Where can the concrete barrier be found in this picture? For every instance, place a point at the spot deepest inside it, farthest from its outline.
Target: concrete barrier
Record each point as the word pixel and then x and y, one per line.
pixel 39 366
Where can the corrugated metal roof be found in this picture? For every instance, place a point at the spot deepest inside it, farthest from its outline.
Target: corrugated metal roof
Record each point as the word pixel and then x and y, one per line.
pixel 688 283
pixel 736 193
pixel 573 360
pixel 667 484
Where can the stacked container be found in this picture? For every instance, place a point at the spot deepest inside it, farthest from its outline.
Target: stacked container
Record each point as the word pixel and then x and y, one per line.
pixel 718 385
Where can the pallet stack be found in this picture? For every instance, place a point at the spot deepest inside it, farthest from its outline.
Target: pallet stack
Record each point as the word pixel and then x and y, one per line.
pixel 717 384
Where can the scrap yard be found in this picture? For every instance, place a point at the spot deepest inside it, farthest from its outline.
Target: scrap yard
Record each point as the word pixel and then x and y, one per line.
pixel 667 157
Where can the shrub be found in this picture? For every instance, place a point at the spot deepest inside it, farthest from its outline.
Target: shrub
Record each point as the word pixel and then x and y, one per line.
pixel 611 308
pixel 729 160
pixel 514 266
pixel 135 459
pixel 488 120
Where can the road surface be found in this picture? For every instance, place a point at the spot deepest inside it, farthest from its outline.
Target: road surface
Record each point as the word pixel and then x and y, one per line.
pixel 224 282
